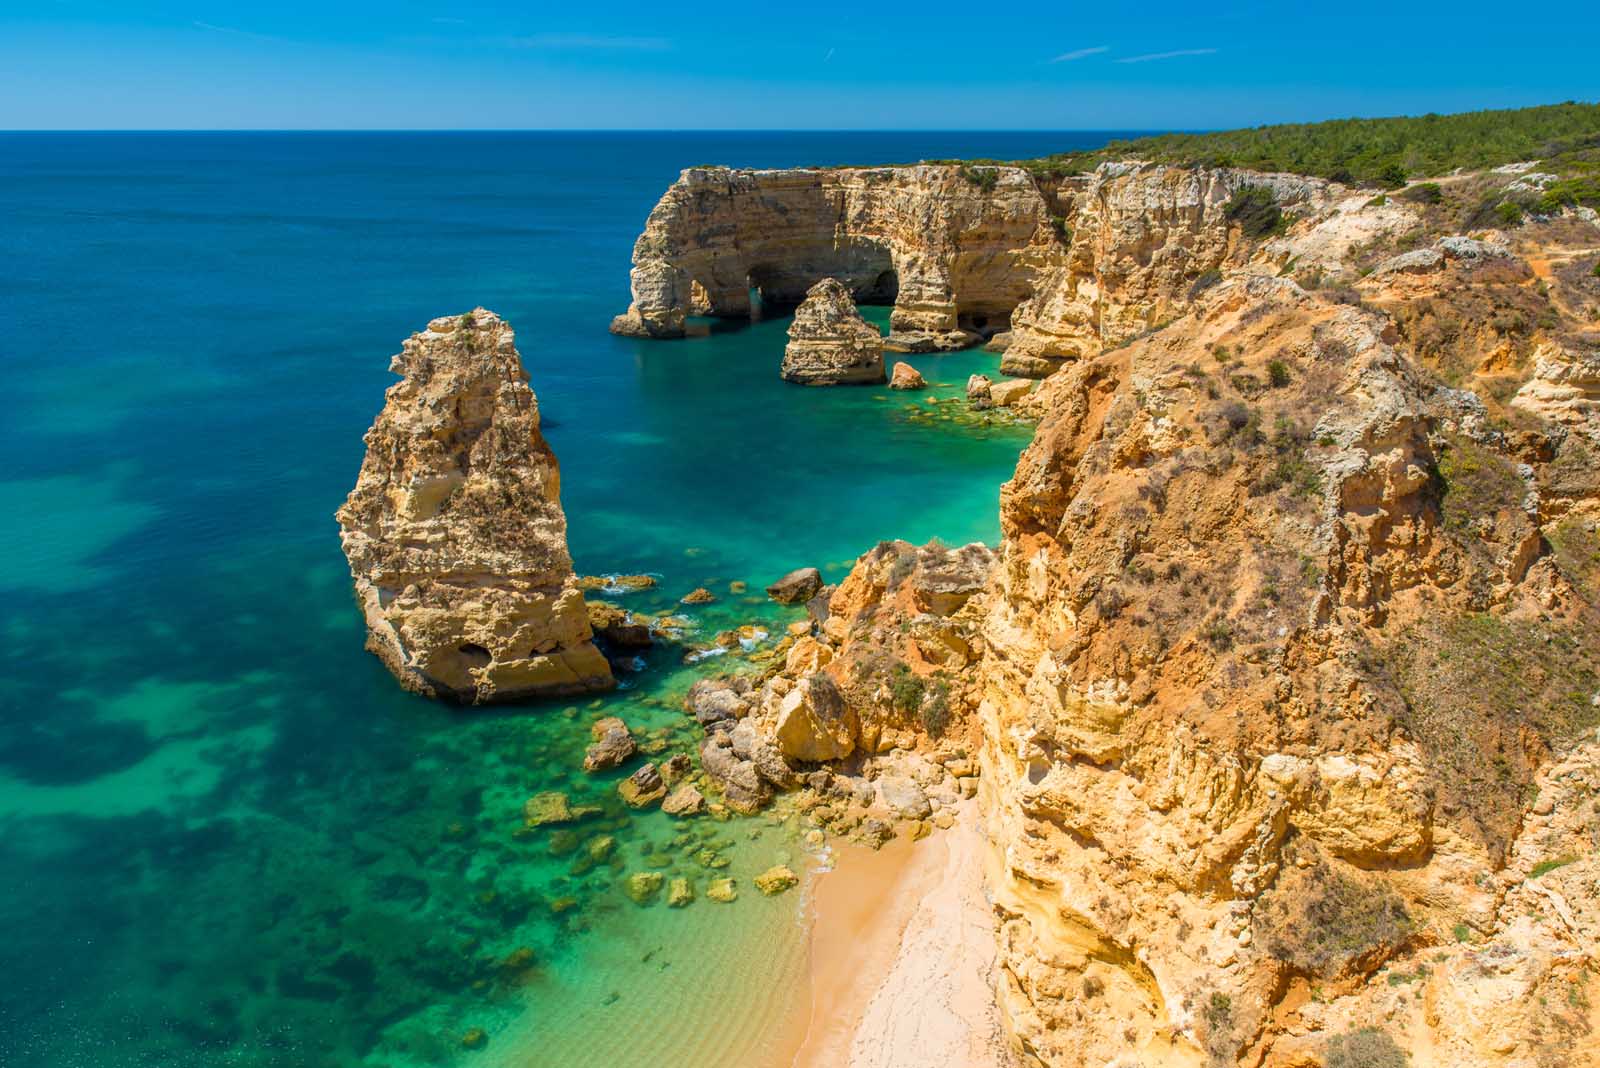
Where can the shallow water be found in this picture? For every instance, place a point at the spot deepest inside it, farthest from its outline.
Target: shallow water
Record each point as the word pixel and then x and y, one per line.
pixel 226 837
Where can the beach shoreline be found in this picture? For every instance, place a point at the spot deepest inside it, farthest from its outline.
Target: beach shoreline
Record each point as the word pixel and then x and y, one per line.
pixel 902 957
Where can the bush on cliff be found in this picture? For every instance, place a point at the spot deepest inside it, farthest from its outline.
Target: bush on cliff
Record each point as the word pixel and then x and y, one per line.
pixel 1371 151
pixel 1369 1047
pixel 1256 211
pixel 1325 920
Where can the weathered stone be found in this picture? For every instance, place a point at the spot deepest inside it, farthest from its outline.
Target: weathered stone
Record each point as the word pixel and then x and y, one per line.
pixel 1007 392
pixel 680 893
pixel 643 788
pixel 684 801
pixel 675 768
pixel 829 343
pixel 698 595
pixel 799 585
pixel 643 886
pixel 454 531
pixel 978 391
pixel 723 891
pixel 904 797
pixel 776 880
pixel 548 807
pixel 815 723
pixel 904 376
pixel 613 744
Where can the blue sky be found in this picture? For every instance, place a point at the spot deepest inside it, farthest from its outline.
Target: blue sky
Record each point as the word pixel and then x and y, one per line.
pixel 981 65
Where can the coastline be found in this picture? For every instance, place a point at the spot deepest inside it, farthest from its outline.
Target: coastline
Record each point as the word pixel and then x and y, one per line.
pixel 902 957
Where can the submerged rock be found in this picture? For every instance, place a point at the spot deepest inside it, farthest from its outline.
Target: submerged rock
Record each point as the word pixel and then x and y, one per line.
pixel 776 880
pixel 829 343
pixel 545 808
pixel 698 595
pixel 680 893
pixel 723 891
pixel 643 886
pixel 454 531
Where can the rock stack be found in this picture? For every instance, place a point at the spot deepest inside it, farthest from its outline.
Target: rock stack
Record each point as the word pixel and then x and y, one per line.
pixel 454 530
pixel 829 343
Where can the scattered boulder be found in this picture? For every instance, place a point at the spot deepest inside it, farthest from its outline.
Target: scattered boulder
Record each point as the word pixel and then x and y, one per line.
pixel 714 701
pixel 776 880
pixel 698 595
pixel 905 376
pixel 613 744
pixel 643 788
pixel 1007 392
pixel 742 786
pixel 815 723
pixel 676 768
pixel 978 394
pixel 723 891
pixel 798 585
pixel 904 797
pixel 616 626
pixel 684 801
pixel 547 808
pixel 643 886
pixel 616 583
pixel 461 604
pixel 829 343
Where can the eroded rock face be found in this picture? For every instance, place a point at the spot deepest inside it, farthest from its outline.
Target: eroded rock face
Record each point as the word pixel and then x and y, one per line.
pixel 952 251
pixel 454 530
pixel 1142 238
pixel 1245 661
pixel 829 343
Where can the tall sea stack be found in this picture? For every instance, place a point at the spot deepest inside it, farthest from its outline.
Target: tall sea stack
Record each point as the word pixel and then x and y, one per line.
pixel 454 530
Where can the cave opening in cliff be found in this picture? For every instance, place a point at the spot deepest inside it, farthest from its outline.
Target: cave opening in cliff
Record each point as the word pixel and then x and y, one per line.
pixel 884 289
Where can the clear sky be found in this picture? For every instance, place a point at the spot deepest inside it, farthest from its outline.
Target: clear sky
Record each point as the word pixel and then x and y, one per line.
pixel 303 64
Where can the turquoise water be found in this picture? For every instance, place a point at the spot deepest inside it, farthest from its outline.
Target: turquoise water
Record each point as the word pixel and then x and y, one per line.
pixel 226 837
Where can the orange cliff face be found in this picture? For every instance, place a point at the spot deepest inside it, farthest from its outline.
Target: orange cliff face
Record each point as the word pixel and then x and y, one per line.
pixel 454 530
pixel 1284 679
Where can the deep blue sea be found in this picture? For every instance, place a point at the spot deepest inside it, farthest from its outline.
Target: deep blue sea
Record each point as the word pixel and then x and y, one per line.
pixel 226 836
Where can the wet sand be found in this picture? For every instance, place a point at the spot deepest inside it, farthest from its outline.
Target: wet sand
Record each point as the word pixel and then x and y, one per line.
pixel 902 958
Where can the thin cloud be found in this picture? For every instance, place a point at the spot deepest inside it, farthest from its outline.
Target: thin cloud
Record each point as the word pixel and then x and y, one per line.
pixel 211 27
pixel 829 56
pixel 448 21
pixel 1081 53
pixel 1169 55
pixel 588 42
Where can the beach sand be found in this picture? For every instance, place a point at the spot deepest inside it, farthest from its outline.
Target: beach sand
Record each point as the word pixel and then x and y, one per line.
pixel 902 957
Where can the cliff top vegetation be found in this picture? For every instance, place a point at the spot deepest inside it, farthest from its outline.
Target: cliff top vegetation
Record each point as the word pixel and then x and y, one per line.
pixel 1383 152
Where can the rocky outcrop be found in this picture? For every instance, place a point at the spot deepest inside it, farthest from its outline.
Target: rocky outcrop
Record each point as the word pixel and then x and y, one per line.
pixel 1564 388
pixel 454 530
pixel 1250 648
pixel 1143 239
pixel 829 343
pixel 954 249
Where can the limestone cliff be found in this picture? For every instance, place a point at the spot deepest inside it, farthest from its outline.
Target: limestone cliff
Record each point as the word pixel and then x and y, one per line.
pixel 1285 676
pixel 454 530
pixel 1276 659
pixel 829 343
pixel 953 249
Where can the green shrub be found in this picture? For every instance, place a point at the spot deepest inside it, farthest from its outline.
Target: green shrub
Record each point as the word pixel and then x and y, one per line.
pixel 1256 211
pixel 985 178
pixel 1058 223
pixel 1476 482
pixel 1424 193
pixel 1392 175
pixel 1365 150
pixel 936 708
pixel 1369 1047
pixel 1509 213
pixel 906 690
pixel 1205 281
pixel 1277 373
pixel 1596 271
pixel 1545 867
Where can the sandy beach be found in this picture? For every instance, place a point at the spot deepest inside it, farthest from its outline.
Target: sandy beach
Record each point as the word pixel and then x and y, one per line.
pixel 902 958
